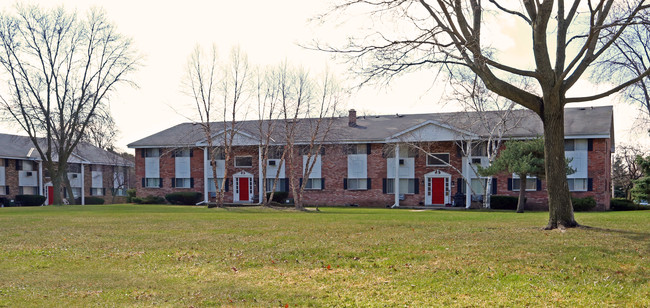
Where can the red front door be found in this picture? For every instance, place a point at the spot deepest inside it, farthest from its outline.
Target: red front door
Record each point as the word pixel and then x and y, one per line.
pixel 437 191
pixel 243 189
pixel 50 195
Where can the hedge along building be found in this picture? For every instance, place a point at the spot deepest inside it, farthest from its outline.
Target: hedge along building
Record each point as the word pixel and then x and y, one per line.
pixel 92 172
pixel 398 160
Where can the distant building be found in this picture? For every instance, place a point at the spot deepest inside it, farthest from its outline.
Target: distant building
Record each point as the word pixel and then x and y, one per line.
pixel 364 157
pixel 92 172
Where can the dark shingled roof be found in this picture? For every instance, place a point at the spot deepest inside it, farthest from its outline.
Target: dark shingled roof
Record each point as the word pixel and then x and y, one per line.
pixel 588 121
pixel 18 147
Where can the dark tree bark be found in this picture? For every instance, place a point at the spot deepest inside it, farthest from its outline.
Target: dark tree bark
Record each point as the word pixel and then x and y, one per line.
pixel 521 202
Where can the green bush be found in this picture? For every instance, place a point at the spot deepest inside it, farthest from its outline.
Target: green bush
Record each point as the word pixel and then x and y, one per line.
pixel 4 201
pixel 130 194
pixel 583 204
pixel 503 202
pixel 150 199
pixel 184 198
pixel 622 204
pixel 90 200
pixel 278 196
pixel 30 200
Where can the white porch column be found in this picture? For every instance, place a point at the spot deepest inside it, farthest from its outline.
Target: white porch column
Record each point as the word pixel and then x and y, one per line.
pixel 205 174
pixel 396 180
pixel 40 179
pixel 468 178
pixel 259 175
pixel 83 186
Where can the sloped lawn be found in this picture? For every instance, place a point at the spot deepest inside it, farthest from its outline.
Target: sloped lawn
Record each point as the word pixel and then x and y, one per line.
pixel 151 255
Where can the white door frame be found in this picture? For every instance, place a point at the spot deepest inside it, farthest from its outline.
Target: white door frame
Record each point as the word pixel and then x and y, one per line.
pixel 235 186
pixel 427 189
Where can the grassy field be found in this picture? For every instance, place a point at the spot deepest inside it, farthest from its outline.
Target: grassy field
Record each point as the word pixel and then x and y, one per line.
pixel 150 255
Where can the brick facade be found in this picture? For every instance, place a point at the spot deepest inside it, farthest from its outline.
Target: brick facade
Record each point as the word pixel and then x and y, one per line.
pixel 12 181
pixel 334 171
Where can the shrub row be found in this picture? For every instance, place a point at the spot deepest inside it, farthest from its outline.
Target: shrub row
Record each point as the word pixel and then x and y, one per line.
pixel 184 198
pixel 90 200
pixel 278 196
pixel 150 199
pixel 503 202
pixel 583 204
pixel 30 200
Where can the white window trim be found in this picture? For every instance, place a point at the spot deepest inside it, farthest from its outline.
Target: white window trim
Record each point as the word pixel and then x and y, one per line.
pixel 440 164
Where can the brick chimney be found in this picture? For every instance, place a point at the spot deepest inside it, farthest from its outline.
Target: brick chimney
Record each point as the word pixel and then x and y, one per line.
pixel 352 118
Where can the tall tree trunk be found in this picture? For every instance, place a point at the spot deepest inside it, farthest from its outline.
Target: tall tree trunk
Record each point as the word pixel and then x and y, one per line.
pixel 559 202
pixel 68 188
pixel 521 202
pixel 56 188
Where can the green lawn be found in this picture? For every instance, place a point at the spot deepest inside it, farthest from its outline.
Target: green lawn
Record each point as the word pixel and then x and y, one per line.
pixel 150 255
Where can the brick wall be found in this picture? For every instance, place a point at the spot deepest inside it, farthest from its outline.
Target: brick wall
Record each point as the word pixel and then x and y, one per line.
pixel 599 170
pixel 334 170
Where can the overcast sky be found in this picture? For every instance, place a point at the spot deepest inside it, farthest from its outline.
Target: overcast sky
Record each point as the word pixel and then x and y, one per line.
pixel 165 33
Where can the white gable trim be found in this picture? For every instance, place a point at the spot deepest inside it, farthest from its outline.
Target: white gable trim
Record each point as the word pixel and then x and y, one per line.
pixel 204 142
pixel 395 137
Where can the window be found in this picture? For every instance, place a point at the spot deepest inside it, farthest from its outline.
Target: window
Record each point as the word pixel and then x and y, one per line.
pixel 478 186
pixel 218 154
pixel 74 168
pixel 406 186
pixel 355 149
pixel 531 183
pixel 76 192
pixel 96 168
pixel 313 184
pixel 305 149
pixel 404 151
pixel 275 152
pixel 279 186
pixel 3 190
pixel 181 153
pixel 119 192
pixel 577 184
pixel 182 183
pixel 569 145
pixel 96 191
pixel 151 152
pixel 357 184
pixel 575 145
pixel 438 159
pixel 25 165
pixel 3 162
pixel 152 182
pixel 479 148
pixel 244 161
pixel 211 187
pixel 29 190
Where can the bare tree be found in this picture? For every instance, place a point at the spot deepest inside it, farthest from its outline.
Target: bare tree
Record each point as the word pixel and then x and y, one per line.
pixel 308 110
pixel 101 131
pixel 267 87
pixel 60 70
pixel 218 91
pixel 629 57
pixel 435 33
pixel 626 168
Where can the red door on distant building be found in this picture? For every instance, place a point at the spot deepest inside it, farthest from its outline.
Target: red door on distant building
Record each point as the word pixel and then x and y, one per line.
pixel 50 195
pixel 437 191
pixel 243 189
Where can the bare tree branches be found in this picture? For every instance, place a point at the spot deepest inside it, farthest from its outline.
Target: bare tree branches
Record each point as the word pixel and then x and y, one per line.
pixel 60 70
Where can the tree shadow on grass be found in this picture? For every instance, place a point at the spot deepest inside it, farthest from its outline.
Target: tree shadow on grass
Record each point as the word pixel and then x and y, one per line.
pixel 633 235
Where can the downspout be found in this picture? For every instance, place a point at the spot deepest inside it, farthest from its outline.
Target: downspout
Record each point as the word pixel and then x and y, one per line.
pixel 396 181
pixel 259 175
pixel 205 174
pixel 83 186
pixel 468 179
pixel 40 179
